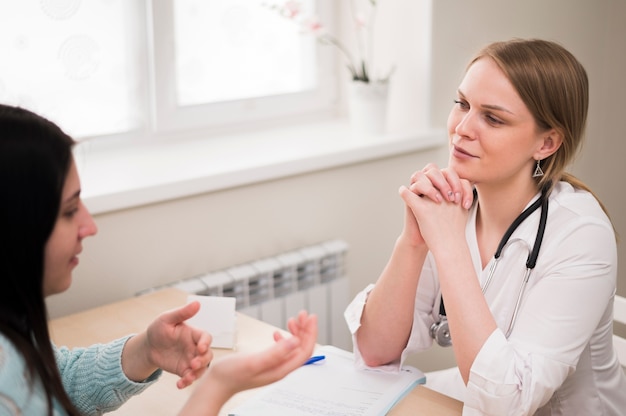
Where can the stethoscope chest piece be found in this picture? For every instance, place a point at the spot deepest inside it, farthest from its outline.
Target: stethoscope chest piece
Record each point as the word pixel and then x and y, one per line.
pixel 440 332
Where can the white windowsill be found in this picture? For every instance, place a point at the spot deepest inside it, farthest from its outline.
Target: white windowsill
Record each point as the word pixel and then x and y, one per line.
pixel 114 179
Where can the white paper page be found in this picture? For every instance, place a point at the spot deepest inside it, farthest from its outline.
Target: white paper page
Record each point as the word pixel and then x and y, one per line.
pixel 333 387
pixel 216 316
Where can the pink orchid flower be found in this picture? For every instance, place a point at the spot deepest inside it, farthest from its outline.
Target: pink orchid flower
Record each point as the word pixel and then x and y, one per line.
pixel 291 9
pixel 358 66
pixel 360 21
pixel 314 26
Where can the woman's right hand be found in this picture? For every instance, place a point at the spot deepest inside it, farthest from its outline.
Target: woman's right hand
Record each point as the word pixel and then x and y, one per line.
pixel 411 234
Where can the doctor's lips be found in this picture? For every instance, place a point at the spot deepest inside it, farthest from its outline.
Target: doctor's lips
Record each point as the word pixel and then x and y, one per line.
pixel 463 152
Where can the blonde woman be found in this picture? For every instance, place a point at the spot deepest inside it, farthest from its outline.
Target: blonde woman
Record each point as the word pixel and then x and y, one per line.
pixel 503 255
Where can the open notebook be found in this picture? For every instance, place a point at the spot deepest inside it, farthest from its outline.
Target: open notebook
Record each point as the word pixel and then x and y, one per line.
pixel 332 387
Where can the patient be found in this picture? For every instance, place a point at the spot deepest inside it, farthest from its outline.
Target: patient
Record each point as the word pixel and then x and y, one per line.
pixel 42 225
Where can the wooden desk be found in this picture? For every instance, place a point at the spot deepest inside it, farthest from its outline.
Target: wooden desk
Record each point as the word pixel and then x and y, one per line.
pixel 105 323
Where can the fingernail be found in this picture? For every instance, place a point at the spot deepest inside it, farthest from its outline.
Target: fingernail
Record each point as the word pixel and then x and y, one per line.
pixel 450 196
pixel 457 197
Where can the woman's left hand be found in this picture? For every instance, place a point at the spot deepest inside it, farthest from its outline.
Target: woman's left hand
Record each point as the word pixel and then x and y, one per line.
pixel 240 371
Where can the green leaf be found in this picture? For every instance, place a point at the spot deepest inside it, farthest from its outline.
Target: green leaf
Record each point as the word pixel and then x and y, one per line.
pixel 364 75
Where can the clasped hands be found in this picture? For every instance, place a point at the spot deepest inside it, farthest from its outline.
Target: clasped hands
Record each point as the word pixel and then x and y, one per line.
pixel 437 203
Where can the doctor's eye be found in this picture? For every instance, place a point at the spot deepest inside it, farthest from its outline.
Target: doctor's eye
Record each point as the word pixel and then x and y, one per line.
pixel 493 120
pixel 463 105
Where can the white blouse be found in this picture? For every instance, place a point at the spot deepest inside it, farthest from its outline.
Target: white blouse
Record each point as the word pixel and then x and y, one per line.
pixel 559 357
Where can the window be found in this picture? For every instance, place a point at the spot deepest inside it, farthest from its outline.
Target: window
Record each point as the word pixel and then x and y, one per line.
pixel 223 62
pixel 62 59
pixel 144 68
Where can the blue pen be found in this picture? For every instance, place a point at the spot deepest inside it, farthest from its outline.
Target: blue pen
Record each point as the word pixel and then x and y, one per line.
pixel 314 359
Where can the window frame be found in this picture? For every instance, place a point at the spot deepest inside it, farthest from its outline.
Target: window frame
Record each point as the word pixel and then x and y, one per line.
pixel 167 117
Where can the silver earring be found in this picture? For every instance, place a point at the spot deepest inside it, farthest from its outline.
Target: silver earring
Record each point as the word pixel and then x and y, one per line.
pixel 538 172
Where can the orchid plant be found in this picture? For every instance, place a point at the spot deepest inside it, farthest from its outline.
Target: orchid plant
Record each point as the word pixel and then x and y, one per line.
pixel 358 64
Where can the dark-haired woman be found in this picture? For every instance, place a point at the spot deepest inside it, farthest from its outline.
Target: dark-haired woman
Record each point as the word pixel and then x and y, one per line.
pixel 42 225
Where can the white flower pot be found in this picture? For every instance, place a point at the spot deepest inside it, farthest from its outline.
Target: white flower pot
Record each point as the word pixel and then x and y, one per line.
pixel 367 106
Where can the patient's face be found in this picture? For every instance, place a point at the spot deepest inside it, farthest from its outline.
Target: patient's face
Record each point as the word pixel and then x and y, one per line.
pixel 73 224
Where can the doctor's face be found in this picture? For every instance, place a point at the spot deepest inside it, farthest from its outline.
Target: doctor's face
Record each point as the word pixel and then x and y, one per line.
pixel 73 224
pixel 492 134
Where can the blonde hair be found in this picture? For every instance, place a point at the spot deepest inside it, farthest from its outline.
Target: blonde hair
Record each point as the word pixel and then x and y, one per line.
pixel 554 86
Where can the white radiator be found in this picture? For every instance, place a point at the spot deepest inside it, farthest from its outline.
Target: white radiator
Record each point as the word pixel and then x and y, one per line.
pixel 273 289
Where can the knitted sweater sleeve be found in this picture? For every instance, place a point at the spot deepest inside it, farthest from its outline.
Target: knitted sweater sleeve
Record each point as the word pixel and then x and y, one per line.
pixel 94 379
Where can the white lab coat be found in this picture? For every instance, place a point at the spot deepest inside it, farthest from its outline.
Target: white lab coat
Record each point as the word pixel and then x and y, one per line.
pixel 559 358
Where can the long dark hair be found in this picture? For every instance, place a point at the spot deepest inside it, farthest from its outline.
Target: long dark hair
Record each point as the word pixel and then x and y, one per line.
pixel 35 156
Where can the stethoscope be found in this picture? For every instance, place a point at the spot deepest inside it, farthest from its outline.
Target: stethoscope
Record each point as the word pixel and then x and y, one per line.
pixel 440 330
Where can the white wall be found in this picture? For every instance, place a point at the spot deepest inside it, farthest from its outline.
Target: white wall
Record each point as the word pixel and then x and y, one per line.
pixel 161 243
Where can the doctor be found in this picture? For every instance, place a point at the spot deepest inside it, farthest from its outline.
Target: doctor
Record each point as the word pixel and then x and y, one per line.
pixel 531 330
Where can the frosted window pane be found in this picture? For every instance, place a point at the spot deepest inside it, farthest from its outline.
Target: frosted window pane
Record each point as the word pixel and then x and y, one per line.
pixel 229 50
pixel 70 60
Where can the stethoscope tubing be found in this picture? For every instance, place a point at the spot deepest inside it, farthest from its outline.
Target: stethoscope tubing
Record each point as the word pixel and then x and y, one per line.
pixel 520 295
pixel 493 267
pixel 531 262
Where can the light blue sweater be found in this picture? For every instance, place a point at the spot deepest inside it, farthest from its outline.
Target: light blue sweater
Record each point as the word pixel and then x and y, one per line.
pixel 92 377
